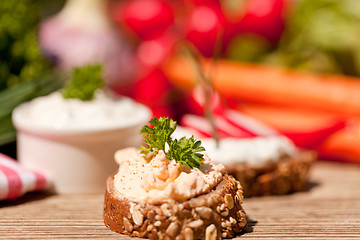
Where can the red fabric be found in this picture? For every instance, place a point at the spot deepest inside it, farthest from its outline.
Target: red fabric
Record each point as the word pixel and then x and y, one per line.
pixel 15 180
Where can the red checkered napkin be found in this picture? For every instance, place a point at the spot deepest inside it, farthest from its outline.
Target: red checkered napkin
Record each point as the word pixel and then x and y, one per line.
pixel 15 180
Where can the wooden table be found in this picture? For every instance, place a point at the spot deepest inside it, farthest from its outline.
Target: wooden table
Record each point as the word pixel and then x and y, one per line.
pixel 330 209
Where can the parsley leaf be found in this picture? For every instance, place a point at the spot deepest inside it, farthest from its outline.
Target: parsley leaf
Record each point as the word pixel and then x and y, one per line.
pixel 85 81
pixel 157 136
pixel 185 151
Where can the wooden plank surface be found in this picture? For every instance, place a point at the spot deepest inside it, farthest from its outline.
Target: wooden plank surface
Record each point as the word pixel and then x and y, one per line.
pixel 330 209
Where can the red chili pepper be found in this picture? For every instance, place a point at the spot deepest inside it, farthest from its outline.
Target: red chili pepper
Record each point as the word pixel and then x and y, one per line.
pixel 201 2
pixel 205 27
pixel 152 53
pixel 154 90
pixel 262 17
pixel 147 19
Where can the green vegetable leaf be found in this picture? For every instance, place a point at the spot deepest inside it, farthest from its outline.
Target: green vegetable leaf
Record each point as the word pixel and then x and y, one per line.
pixel 185 151
pixel 157 136
pixel 85 81
pixel 21 58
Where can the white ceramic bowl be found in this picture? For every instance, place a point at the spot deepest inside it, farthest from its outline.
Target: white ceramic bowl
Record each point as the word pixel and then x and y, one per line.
pixel 77 159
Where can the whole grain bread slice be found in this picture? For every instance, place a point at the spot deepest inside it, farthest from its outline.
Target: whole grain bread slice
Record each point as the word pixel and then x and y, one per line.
pixel 217 214
pixel 288 175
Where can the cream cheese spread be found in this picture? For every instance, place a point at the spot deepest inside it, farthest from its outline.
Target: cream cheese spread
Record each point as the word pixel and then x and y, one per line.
pixel 54 113
pixel 252 151
pixel 156 179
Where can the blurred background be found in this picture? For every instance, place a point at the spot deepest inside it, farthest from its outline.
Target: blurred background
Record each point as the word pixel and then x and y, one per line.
pixel 294 65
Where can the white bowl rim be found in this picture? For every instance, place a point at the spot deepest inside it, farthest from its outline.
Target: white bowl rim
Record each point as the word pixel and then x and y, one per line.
pixel 22 124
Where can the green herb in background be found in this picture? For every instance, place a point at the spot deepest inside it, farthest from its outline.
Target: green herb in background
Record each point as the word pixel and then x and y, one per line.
pixel 84 82
pixel 185 151
pixel 24 72
pixel 12 97
pixel 20 56
pixel 321 36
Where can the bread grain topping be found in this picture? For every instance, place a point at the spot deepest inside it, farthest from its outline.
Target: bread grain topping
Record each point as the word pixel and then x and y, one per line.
pixel 157 179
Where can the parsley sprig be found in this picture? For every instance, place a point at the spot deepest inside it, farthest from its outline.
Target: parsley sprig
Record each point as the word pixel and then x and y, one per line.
pixel 185 151
pixel 157 136
pixel 84 82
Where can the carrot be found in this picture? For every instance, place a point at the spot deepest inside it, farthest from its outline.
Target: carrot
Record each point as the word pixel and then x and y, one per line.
pixel 342 145
pixel 319 131
pixel 307 129
pixel 264 84
pixel 286 119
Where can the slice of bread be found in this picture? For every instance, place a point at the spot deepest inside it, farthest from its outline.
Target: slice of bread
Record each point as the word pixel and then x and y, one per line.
pixel 285 176
pixel 214 215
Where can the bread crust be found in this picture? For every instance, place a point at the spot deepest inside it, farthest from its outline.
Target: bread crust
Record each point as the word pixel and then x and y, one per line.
pixel 217 214
pixel 286 176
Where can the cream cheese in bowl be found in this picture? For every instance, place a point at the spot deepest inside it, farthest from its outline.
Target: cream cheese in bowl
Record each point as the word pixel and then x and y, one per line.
pixel 55 114
pixel 74 141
